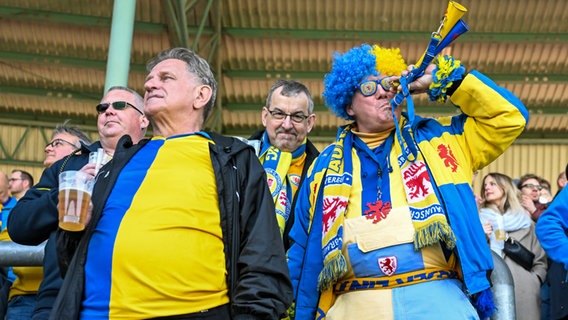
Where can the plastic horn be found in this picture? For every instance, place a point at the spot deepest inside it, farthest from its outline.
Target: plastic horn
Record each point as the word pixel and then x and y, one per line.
pixel 459 29
pixel 452 16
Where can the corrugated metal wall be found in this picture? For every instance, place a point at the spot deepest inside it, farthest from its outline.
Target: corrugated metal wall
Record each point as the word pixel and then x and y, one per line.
pixel 547 160
pixel 21 147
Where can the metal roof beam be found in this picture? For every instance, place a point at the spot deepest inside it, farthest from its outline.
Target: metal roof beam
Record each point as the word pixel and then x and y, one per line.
pixel 246 74
pixel 11 13
pixel 21 14
pixel 318 75
pixel 472 37
pixel 64 61
pixel 176 22
pixel 47 122
pixel 54 94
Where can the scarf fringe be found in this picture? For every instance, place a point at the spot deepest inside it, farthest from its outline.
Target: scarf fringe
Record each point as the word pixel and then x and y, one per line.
pixel 332 270
pixel 483 302
pixel 432 234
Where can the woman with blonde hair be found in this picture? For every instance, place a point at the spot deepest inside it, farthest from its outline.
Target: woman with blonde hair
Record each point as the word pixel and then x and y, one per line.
pixel 504 217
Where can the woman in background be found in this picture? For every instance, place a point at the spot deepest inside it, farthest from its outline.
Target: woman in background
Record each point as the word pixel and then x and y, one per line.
pixel 503 216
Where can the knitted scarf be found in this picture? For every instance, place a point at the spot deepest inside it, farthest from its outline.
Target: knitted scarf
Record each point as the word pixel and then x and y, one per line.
pixel 512 221
pixel 276 164
pixel 428 215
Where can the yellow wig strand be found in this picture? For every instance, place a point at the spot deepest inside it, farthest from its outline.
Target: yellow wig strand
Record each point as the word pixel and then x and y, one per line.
pixel 389 60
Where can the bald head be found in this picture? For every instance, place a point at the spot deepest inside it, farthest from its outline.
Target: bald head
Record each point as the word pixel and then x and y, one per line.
pixel 4 192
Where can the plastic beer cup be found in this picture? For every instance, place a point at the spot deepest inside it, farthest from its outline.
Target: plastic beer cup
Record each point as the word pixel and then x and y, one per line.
pixel 499 229
pixel 75 189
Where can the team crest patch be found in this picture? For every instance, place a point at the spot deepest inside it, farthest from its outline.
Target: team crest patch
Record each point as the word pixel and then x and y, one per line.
pixel 417 181
pixel 294 179
pixel 274 181
pixel 333 206
pixel 388 265
pixel 377 210
pixel 446 154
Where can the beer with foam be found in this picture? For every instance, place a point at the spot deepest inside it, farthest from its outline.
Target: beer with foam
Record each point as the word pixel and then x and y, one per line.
pixel 73 204
pixel 74 196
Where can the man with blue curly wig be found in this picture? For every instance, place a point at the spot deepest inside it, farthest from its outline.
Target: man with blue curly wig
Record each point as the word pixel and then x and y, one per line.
pixel 386 222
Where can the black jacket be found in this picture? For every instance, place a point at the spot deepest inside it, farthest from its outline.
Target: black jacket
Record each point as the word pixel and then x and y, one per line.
pixel 556 280
pixel 311 153
pixel 34 219
pixel 258 280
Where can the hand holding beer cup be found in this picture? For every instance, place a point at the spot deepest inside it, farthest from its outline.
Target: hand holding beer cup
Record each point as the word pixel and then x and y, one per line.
pixel 75 189
pixel 487 228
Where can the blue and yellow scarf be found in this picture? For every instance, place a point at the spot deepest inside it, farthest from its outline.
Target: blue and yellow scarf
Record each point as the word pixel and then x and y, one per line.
pixel 428 215
pixel 276 164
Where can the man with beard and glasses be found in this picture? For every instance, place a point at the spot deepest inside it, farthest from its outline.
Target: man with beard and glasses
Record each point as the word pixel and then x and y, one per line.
pixel 285 151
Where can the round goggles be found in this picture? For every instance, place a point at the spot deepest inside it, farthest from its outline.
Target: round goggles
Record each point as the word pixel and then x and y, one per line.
pixel 369 87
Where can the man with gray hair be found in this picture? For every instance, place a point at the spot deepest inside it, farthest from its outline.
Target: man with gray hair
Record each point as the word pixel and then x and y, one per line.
pixel 285 151
pixel 65 139
pixel 193 199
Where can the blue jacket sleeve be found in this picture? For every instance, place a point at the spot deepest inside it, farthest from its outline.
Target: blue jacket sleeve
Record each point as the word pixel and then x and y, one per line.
pixel 552 229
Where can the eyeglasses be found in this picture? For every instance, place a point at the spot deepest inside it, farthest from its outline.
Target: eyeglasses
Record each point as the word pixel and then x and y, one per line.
pixel 369 87
pixel 531 186
pixel 295 117
pixel 117 105
pixel 59 142
pixel 14 179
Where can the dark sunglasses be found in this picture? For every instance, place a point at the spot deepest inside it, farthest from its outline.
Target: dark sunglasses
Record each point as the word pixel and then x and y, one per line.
pixel 117 105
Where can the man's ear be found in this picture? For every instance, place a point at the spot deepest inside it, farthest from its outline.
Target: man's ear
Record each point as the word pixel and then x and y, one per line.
pixel 349 110
pixel 311 121
pixel 144 122
pixel 204 93
pixel 264 116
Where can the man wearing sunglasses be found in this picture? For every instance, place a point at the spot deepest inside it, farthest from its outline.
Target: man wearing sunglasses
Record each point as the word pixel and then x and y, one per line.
pixel 386 220
pixel 285 151
pixel 35 218
pixel 182 225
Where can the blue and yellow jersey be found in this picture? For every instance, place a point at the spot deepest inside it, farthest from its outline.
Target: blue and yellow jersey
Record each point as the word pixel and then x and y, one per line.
pixel 155 256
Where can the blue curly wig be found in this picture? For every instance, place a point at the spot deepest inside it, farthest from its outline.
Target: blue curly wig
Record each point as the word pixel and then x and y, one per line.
pixel 346 72
pixel 350 68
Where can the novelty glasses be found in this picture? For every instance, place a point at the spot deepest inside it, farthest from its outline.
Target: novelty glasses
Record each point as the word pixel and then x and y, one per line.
pixel 369 87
